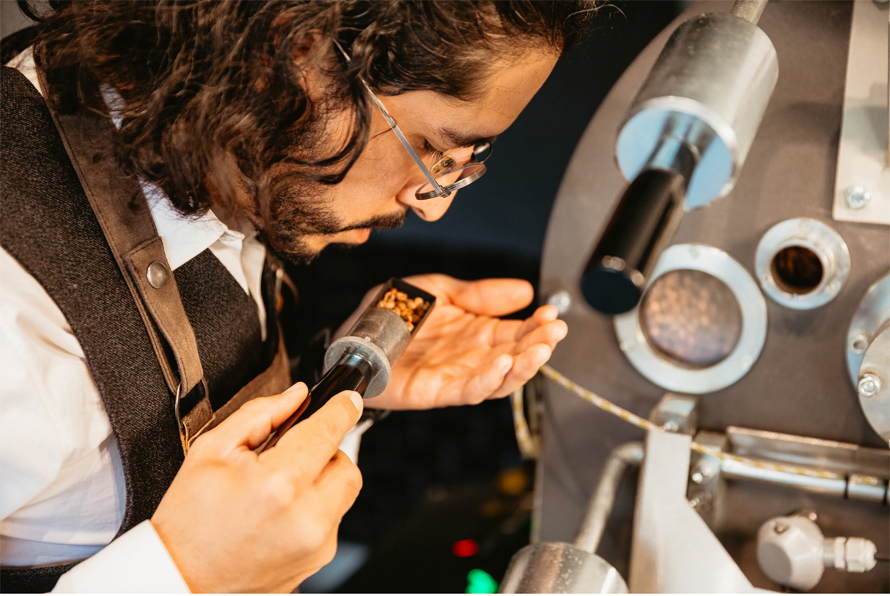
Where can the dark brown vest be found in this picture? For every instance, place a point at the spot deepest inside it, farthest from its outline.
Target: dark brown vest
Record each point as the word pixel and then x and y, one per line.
pixel 47 224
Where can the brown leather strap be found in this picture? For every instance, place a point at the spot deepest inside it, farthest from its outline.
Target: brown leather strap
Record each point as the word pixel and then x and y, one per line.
pixel 126 221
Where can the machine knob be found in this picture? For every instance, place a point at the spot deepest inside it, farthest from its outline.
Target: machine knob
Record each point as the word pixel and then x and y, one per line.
pixel 789 551
pixel 793 552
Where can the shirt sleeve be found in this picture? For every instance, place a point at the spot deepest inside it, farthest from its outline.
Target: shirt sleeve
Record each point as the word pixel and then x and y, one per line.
pixel 137 562
pixel 352 440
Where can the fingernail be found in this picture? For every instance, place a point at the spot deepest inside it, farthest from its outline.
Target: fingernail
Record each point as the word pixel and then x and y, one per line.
pixel 506 366
pixel 296 386
pixel 357 401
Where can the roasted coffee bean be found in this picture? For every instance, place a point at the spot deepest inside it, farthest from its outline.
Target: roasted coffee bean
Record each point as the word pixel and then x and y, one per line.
pixel 410 309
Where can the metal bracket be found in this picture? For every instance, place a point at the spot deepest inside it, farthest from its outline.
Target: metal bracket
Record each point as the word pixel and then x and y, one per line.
pixel 862 185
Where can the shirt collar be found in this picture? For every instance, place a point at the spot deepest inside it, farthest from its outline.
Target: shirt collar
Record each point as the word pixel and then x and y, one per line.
pixel 184 237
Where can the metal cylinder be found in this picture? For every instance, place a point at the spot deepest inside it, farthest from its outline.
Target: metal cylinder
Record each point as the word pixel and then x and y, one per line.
pixel 642 225
pixel 380 336
pixel 856 487
pixel 713 80
pixel 560 568
pixel 603 500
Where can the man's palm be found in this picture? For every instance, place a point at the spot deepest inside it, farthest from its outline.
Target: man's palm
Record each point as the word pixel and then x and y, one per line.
pixel 464 354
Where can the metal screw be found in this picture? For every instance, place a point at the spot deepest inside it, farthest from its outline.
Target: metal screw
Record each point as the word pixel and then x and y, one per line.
pixel 670 426
pixel 157 274
pixel 857 196
pixel 869 384
pixel 780 528
pixel 562 300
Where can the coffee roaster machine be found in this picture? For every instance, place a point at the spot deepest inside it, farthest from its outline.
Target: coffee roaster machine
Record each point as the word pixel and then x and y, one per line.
pixel 720 248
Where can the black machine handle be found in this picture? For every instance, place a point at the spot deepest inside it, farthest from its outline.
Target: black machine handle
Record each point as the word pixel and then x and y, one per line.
pixel 640 227
pixel 351 373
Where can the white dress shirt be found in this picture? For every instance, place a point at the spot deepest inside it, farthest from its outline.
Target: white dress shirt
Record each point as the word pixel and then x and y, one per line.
pixel 62 491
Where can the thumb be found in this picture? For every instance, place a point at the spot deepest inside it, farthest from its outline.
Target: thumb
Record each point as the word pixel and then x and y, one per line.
pixel 255 420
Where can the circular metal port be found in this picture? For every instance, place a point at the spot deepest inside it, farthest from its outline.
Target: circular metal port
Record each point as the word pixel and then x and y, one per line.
pixel 802 263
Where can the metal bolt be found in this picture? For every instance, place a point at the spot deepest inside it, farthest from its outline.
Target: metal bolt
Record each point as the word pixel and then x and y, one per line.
pixel 857 196
pixel 701 501
pixel 869 384
pixel 670 426
pixel 780 528
pixel 702 473
pixel 562 300
pixel 157 274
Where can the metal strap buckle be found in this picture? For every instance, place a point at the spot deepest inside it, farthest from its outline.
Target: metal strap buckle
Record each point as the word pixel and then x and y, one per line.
pixel 177 400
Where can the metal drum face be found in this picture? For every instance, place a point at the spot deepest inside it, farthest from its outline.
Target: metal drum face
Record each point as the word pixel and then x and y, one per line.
pixel 757 363
pixel 701 325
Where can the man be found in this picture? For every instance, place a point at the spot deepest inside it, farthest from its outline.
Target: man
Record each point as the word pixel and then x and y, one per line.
pixel 237 126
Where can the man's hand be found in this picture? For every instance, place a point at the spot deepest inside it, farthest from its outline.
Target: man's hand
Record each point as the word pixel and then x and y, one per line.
pixel 463 354
pixel 235 521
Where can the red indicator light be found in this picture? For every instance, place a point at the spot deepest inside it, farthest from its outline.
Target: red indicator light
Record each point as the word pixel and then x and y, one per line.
pixel 465 548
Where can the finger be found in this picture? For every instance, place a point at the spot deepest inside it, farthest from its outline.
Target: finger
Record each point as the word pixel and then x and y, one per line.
pixel 251 424
pixel 314 441
pixel 525 366
pixel 339 484
pixel 481 385
pixel 551 334
pixel 542 316
pixel 515 330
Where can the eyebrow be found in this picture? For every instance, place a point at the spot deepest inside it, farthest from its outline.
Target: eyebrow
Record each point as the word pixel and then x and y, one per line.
pixel 454 139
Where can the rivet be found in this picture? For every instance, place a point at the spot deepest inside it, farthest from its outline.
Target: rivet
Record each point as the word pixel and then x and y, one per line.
pixel 157 274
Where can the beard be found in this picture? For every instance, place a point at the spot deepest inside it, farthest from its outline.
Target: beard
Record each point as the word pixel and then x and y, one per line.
pixel 299 205
pixel 299 208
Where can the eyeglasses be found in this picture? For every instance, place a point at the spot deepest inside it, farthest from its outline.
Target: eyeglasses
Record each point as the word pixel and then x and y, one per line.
pixel 446 175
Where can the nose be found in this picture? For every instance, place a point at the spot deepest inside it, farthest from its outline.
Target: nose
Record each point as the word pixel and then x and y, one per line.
pixel 428 210
pixel 431 209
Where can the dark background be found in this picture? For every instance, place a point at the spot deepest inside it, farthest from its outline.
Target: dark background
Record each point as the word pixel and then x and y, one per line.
pixel 432 478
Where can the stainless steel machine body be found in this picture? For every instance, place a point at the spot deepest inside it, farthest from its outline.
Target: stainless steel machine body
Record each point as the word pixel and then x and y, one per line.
pixel 713 102
pixel 789 379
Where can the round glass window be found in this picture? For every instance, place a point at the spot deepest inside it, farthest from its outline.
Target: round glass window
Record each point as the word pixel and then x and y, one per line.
pixel 691 318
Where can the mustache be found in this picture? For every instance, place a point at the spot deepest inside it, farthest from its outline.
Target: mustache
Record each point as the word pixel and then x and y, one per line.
pixel 389 221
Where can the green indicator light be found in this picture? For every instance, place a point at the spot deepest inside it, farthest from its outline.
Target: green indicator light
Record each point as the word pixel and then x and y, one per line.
pixel 479 582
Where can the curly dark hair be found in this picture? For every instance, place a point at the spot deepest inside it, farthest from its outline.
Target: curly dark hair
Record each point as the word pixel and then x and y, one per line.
pixel 215 94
